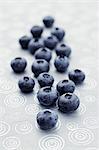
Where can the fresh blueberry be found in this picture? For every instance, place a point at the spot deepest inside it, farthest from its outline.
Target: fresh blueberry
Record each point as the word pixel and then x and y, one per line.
pixel 18 64
pixel 40 66
pixel 47 119
pixel 61 63
pixel 68 102
pixel 65 86
pixel 45 79
pixel 37 31
pixel 48 21
pixel 50 42
pixel 76 76
pixel 34 45
pixel 24 41
pixel 43 53
pixel 47 96
pixel 26 84
pixel 63 49
pixel 59 33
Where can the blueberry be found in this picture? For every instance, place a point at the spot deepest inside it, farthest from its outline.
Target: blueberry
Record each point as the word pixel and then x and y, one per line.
pixel 68 102
pixel 37 31
pixel 26 84
pixel 47 119
pixel 50 42
pixel 61 63
pixel 48 21
pixel 45 79
pixel 34 45
pixel 63 49
pixel 18 64
pixel 77 76
pixel 43 53
pixel 59 33
pixel 39 66
pixel 47 96
pixel 24 41
pixel 65 86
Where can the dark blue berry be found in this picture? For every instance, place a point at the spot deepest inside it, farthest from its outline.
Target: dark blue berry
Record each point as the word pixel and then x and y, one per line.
pixel 43 53
pixel 34 45
pixel 68 102
pixel 63 49
pixel 65 86
pixel 47 119
pixel 76 76
pixel 37 31
pixel 45 79
pixel 48 21
pixel 26 84
pixel 61 63
pixel 47 96
pixel 18 64
pixel 24 41
pixel 59 33
pixel 40 66
pixel 50 42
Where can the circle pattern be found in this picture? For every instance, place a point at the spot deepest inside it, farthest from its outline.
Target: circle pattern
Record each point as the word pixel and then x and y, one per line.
pixel 81 109
pixel 52 142
pixel 23 127
pixel 11 143
pixel 91 122
pixel 90 99
pixel 81 136
pixel 4 128
pixel 32 109
pixel 58 125
pixel 7 86
pixel 90 84
pixel 71 126
pixel 14 100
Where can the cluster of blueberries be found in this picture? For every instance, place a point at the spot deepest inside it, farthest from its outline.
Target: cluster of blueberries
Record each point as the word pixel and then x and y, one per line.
pixel 48 96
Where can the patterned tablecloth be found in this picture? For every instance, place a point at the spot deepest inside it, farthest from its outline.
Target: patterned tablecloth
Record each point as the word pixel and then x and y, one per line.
pixel 18 128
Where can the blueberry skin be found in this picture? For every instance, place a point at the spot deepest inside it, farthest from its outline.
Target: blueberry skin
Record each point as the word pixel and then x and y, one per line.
pixel 24 41
pixel 65 86
pixel 68 102
pixel 48 21
pixel 26 84
pixel 47 96
pixel 43 53
pixel 77 76
pixel 61 63
pixel 37 31
pixel 18 64
pixel 34 45
pixel 59 33
pixel 45 79
pixel 50 42
pixel 63 49
pixel 39 66
pixel 47 119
